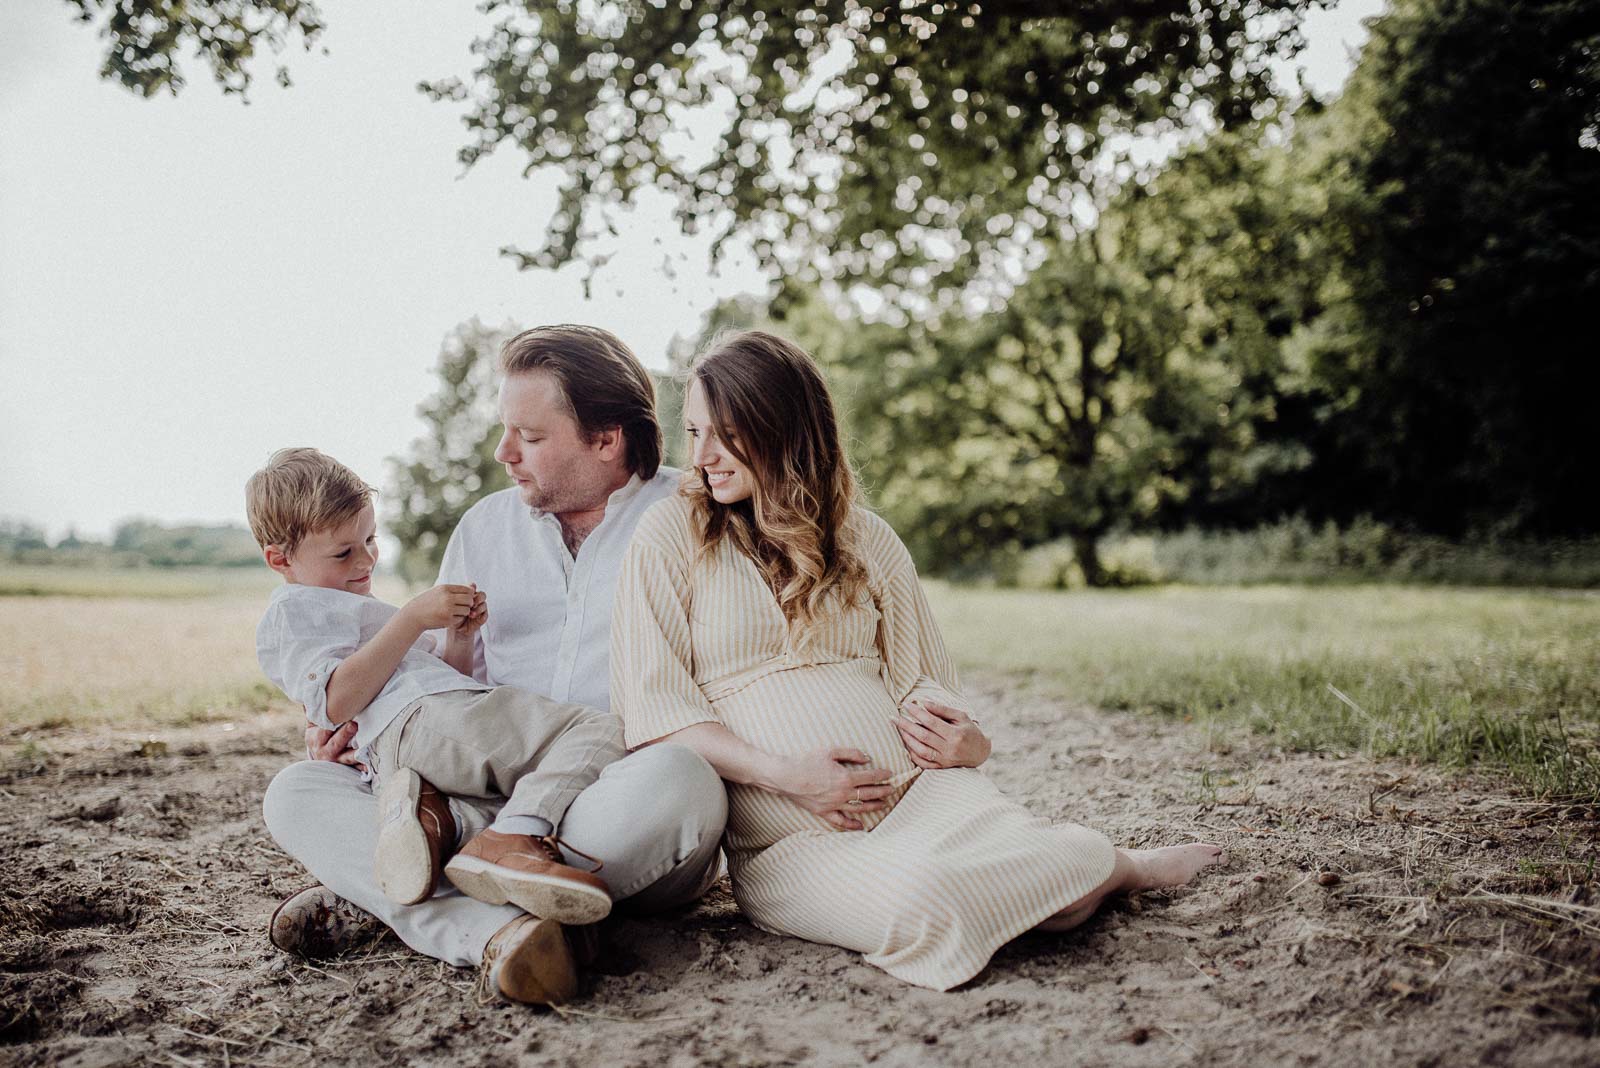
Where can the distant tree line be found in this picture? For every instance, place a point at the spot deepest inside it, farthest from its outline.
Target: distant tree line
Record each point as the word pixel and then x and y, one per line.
pixel 134 543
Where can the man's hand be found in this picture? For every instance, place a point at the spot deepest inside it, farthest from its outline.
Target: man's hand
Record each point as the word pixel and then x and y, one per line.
pixel 442 606
pixel 825 784
pixel 938 736
pixel 332 745
pixel 463 629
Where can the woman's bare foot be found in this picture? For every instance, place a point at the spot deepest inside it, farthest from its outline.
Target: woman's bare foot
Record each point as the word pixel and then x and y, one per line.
pixel 1139 869
pixel 1169 866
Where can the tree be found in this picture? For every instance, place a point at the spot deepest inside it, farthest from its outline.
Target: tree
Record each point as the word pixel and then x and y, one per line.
pixel 914 143
pixel 18 535
pixel 1067 413
pixel 1462 169
pixel 452 466
pixel 187 545
pixel 1231 231
pixel 1136 377
pixel 145 37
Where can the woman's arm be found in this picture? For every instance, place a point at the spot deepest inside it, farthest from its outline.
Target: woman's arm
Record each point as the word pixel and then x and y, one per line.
pixel 917 668
pixel 654 691
pixel 836 784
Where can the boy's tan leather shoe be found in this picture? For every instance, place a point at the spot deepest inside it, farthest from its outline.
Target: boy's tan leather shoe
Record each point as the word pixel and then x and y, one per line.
pixel 529 960
pixel 530 873
pixel 316 923
pixel 416 834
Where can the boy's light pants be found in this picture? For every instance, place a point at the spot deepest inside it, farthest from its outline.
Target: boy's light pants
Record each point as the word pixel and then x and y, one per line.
pixel 535 753
pixel 655 817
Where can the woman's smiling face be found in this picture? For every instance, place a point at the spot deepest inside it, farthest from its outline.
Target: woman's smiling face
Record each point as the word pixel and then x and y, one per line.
pixel 725 477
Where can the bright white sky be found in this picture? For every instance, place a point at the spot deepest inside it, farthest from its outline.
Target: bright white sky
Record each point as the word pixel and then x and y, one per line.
pixel 187 284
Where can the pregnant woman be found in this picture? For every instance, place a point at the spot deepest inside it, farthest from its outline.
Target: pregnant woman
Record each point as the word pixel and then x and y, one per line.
pixel 772 624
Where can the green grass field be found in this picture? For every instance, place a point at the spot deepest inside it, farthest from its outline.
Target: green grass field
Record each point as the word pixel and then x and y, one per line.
pixel 1509 678
pixel 24 580
pixel 1506 678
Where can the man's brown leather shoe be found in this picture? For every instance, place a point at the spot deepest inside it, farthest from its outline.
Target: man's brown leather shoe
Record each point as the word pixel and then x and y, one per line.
pixel 529 960
pixel 528 872
pixel 415 835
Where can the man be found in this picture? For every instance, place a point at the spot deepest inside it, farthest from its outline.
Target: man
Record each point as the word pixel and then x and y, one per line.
pixel 583 446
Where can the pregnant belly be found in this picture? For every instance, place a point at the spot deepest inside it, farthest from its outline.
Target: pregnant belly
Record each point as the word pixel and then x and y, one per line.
pixel 799 711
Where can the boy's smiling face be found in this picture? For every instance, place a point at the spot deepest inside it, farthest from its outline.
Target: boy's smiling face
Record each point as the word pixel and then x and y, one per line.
pixel 339 558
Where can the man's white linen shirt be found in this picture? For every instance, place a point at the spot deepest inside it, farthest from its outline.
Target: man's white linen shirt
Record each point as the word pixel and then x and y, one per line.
pixel 549 625
pixel 308 631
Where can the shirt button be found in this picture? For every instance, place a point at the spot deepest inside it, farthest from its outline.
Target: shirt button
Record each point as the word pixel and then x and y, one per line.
pixel 313 675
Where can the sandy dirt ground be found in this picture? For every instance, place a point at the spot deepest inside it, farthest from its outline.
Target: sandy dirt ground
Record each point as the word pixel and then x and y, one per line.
pixel 1370 913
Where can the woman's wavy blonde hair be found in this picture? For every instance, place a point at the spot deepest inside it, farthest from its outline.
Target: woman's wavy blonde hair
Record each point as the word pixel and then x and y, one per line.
pixel 771 410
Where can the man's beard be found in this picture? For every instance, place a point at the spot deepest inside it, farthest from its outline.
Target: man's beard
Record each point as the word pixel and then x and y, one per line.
pixel 557 497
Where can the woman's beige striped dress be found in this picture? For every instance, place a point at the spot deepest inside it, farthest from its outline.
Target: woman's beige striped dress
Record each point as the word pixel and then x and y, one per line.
pixel 934 884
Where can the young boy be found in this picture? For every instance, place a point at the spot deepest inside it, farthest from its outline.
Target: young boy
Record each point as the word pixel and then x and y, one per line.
pixel 424 724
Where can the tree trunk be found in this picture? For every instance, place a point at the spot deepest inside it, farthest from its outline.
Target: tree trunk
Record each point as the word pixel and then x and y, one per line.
pixel 1086 548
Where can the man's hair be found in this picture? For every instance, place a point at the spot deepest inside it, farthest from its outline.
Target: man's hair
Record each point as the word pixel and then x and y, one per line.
pixel 603 381
pixel 301 492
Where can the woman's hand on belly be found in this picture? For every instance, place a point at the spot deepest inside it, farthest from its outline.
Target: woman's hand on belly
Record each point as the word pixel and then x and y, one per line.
pixel 939 736
pixel 836 784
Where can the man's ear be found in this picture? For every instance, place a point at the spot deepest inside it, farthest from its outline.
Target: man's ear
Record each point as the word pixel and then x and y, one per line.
pixel 276 559
pixel 612 443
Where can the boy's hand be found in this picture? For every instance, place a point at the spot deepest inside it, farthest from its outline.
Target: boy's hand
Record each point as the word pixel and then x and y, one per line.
pixel 464 629
pixel 442 606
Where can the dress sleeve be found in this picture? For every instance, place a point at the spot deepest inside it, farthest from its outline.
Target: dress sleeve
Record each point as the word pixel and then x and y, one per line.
pixel 915 661
pixel 652 678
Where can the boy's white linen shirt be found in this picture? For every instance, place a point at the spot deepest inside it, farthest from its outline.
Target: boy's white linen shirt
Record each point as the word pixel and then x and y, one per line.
pixel 549 626
pixel 308 631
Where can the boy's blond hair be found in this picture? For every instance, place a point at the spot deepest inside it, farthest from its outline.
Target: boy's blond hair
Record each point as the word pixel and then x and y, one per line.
pixel 301 492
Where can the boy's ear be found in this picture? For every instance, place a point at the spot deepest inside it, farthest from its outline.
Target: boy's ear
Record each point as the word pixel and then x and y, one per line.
pixel 276 559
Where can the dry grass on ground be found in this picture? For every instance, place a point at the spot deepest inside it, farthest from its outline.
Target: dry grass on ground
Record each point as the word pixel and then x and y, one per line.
pixel 158 649
pixel 182 583
pixel 127 661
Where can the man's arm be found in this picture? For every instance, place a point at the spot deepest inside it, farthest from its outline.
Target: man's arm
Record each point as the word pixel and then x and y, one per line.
pixel 455 569
pixel 460 644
